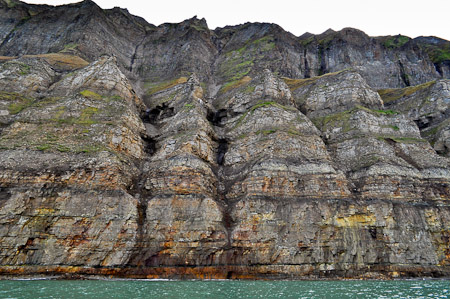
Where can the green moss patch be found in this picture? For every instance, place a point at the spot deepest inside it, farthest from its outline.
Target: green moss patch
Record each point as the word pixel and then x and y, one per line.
pixel 46 101
pixel 234 70
pixel 438 53
pixel 91 95
pixel 17 102
pixel 395 41
pixel 24 69
pixel 85 118
pixel 323 40
pixel 189 107
pixel 266 132
pixel 386 112
pixel 239 62
pixel 395 128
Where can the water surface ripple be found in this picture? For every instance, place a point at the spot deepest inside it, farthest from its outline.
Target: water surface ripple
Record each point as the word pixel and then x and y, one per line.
pixel 223 289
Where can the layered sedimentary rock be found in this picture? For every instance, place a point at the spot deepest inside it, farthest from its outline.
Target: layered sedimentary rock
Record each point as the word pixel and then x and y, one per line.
pixel 428 105
pixel 150 54
pixel 67 162
pixel 191 153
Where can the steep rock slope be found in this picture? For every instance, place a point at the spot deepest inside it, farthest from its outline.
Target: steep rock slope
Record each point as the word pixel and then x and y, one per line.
pixel 67 161
pixel 192 153
pixel 428 105
pixel 148 54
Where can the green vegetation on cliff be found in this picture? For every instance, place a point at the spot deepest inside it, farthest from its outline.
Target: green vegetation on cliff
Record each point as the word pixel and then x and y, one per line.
pixel 392 94
pixel 395 41
pixel 152 87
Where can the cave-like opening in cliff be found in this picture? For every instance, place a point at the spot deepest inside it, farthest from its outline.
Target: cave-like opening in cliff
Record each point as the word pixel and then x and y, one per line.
pixel 216 117
pixel 159 112
pixel 221 151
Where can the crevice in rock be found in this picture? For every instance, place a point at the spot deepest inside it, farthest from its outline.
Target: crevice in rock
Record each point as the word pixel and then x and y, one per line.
pixel 373 232
pixel 401 154
pixel 438 68
pixel 222 190
pixel 403 75
pixel 142 195
pixel 215 117
pixel 423 123
pixel 149 145
pixel 5 195
pixel 305 61
pixel 227 220
pixel 148 139
pixel 138 190
pixel 133 57
pixel 321 59
pixel 221 151
pixel 229 274
pixel 152 116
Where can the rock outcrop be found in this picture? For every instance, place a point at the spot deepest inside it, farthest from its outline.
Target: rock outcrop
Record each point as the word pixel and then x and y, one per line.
pixel 177 151
pixel 428 105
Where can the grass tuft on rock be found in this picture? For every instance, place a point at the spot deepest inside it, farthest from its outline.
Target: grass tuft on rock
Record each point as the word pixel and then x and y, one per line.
pixel 294 84
pixel 235 84
pixel 393 94
pixel 153 88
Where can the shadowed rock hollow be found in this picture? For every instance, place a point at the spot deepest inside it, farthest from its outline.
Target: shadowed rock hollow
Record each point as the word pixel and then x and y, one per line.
pixel 178 151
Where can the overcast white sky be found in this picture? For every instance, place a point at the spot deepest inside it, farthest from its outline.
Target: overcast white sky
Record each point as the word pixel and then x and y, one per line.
pixel 375 17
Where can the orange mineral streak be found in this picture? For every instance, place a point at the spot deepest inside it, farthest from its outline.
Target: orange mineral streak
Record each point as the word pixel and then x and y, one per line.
pixel 204 272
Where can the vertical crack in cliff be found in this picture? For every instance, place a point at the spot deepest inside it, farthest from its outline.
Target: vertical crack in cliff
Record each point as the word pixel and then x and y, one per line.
pixel 221 190
pixel 401 154
pixel 403 74
pixel 305 61
pixel 152 116
pixel 438 68
pixel 133 57
pixel 139 191
pixel 321 59
pixel 221 151
pixel 215 118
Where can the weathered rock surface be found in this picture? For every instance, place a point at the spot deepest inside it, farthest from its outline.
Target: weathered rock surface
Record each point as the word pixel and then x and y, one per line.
pixel 67 162
pixel 428 105
pixel 178 151
pixel 151 55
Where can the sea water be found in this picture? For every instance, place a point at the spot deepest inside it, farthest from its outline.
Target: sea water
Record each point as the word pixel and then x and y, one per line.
pixel 223 289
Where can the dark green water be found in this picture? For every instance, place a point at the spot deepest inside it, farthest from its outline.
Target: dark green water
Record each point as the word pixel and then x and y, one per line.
pixel 223 289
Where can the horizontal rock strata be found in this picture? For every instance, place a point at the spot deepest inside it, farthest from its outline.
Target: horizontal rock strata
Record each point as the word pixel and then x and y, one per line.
pixel 130 150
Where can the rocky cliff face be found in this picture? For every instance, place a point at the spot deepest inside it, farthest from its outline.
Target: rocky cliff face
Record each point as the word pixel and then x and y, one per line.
pixel 244 152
